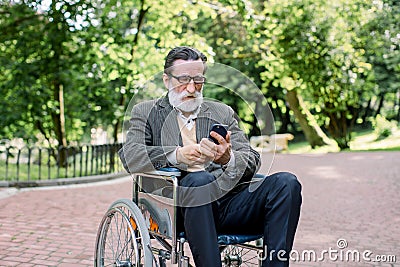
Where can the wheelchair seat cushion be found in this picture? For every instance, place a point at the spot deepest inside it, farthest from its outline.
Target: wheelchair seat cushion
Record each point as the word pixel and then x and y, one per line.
pixel 226 239
pixel 166 171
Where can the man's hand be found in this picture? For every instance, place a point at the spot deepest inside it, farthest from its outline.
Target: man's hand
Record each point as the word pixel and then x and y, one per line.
pixel 193 154
pixel 219 153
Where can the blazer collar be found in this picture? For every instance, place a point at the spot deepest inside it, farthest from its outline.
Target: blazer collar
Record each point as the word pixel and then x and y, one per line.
pixel 164 102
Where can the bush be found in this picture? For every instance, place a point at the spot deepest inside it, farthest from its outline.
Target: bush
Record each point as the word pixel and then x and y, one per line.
pixel 383 127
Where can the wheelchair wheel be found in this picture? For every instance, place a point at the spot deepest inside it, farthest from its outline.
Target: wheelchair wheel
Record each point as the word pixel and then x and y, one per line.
pixel 236 255
pixel 123 238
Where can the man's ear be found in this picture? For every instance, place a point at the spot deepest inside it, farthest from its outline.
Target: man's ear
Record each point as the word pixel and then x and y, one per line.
pixel 165 78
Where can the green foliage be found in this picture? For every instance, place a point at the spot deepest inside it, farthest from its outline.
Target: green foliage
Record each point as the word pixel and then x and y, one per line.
pixel 233 43
pixel 383 128
pixel 322 57
pixel 40 56
pixel 98 52
pixel 341 57
pixel 364 140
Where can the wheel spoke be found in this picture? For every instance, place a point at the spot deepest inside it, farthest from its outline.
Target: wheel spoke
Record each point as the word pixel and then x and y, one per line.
pixel 122 236
pixel 233 255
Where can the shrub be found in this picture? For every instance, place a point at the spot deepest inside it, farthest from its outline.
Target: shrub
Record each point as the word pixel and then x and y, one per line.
pixel 383 127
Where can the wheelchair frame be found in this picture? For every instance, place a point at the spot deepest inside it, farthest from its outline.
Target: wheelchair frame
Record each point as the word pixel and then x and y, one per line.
pixel 128 228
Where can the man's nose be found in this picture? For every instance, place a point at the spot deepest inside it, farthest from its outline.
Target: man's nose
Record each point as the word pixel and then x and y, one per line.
pixel 191 88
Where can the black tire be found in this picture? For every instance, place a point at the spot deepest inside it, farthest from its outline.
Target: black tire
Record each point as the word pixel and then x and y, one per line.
pixel 123 238
pixel 236 255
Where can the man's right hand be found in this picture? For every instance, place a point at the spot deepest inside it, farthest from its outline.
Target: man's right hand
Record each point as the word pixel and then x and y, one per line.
pixel 192 155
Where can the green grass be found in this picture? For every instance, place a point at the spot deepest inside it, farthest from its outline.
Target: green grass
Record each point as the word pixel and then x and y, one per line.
pixel 23 173
pixel 366 140
pixel 13 172
pixel 362 141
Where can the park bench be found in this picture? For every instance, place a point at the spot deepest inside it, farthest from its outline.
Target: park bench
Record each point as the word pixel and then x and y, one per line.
pixel 271 143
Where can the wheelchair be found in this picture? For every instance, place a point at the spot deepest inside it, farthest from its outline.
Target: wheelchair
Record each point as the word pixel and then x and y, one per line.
pixel 146 231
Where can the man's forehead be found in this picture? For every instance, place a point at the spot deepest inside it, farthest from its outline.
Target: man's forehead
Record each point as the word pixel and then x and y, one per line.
pixel 188 65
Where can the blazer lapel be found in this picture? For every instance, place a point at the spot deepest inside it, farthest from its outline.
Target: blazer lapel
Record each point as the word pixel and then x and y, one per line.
pixel 203 122
pixel 169 128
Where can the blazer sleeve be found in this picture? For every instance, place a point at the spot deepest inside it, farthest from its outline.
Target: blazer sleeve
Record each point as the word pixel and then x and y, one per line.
pixel 247 160
pixel 142 151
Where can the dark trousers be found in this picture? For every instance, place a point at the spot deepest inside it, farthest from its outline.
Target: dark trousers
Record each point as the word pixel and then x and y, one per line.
pixel 273 209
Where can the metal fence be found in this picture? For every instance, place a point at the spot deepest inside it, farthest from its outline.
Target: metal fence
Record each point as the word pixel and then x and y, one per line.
pixel 37 163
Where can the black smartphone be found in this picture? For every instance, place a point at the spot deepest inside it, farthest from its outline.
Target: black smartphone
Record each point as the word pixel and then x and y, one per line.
pixel 220 129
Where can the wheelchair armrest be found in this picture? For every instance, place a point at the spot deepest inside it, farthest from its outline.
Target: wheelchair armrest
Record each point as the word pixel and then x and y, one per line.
pixel 258 176
pixel 166 171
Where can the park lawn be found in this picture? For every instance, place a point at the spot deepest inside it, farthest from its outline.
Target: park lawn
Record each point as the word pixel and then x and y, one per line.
pixel 34 172
pixel 12 172
pixel 362 141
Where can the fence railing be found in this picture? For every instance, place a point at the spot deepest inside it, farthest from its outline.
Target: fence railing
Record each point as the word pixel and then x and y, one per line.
pixel 37 163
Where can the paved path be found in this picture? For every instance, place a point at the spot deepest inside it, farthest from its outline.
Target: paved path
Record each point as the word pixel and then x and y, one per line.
pixel 353 197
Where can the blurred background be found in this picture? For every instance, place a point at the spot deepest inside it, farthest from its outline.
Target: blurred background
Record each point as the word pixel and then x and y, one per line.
pixel 329 71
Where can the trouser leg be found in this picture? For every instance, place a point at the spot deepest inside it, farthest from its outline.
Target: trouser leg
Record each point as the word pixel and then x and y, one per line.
pixel 199 220
pixel 273 209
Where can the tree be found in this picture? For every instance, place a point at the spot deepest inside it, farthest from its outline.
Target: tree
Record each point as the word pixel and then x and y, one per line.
pixel 281 45
pixel 70 66
pixel 132 38
pixel 321 57
pixel 40 63
pixel 37 59
pixel 74 65
pixel 381 40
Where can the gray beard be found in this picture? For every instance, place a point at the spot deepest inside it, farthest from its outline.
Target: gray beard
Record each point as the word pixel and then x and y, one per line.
pixel 185 106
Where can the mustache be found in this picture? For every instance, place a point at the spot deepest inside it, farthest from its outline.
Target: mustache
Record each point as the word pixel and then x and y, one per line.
pixel 185 94
pixel 185 101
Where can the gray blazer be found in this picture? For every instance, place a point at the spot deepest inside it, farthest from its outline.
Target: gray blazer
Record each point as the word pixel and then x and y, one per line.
pixel 154 132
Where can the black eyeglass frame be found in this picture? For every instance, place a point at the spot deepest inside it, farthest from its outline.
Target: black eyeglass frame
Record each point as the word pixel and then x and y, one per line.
pixel 178 78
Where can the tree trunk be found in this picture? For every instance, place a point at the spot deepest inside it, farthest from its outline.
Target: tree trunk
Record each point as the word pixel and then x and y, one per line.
pixel 380 105
pixel 59 124
pixel 142 14
pixel 264 115
pixel 340 126
pixel 367 111
pixel 397 105
pixel 313 133
pixel 286 121
pixel 57 28
pixel 282 117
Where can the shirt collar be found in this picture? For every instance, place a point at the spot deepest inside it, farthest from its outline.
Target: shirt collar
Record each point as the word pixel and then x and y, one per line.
pixel 188 121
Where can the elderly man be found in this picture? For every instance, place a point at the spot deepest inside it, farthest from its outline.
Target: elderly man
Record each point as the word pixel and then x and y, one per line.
pixel 175 131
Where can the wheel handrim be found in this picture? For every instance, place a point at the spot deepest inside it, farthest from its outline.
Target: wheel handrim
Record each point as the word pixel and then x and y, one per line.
pixel 121 242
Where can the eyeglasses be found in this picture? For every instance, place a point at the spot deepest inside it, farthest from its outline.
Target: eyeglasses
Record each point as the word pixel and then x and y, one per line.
pixel 185 79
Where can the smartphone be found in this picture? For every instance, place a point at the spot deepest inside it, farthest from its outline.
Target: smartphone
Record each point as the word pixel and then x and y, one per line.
pixel 220 129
